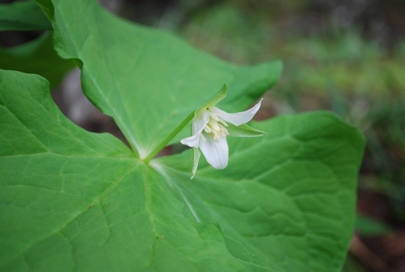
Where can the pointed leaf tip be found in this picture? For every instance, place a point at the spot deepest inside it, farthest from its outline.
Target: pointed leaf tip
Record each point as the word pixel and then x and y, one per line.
pixel 221 94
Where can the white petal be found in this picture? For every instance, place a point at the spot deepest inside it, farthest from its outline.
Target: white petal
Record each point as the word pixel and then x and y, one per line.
pixel 192 141
pixel 238 118
pixel 216 152
pixel 196 156
pixel 199 122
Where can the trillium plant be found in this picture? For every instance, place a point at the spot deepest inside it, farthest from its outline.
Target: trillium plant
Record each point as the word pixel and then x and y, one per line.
pixel 210 128
pixel 74 200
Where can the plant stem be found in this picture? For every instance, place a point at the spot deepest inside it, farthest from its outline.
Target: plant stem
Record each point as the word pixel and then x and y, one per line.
pixel 169 138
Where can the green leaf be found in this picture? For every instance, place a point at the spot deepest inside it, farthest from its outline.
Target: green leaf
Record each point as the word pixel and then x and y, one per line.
pixel 38 57
pixel 290 194
pixel 367 226
pixel 148 80
pixel 243 131
pixel 74 200
pixel 218 97
pixel 23 15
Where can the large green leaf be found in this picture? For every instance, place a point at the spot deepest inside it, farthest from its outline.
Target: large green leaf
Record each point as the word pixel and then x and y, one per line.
pixel 74 200
pixel 147 80
pixel 23 15
pixel 291 194
pixel 38 57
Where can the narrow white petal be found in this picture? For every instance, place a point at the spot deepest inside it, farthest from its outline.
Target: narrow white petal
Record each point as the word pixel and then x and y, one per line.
pixel 199 122
pixel 192 141
pixel 216 152
pixel 238 118
pixel 196 156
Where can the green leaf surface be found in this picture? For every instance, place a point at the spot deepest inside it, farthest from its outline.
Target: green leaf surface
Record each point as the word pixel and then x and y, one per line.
pixel 147 80
pixel 37 57
pixel 290 193
pixel 23 15
pixel 243 131
pixel 71 200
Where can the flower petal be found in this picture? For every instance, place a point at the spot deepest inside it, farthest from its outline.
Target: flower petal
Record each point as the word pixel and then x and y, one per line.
pixel 192 141
pixel 216 152
pixel 199 122
pixel 238 118
pixel 196 156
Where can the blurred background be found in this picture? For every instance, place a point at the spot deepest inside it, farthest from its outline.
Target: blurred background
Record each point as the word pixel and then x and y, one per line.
pixel 346 56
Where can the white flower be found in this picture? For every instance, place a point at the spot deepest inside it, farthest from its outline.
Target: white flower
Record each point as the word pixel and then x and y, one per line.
pixel 210 128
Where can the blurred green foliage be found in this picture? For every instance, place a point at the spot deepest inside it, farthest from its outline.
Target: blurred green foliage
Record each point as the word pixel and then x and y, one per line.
pixel 37 56
pixel 22 15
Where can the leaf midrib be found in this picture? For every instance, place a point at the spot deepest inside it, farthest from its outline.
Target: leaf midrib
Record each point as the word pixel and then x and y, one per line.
pixel 116 116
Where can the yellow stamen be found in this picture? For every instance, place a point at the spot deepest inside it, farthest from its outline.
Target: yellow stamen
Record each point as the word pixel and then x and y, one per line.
pixel 216 127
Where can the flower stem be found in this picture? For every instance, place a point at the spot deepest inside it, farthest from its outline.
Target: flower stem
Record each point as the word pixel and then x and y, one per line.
pixel 169 138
